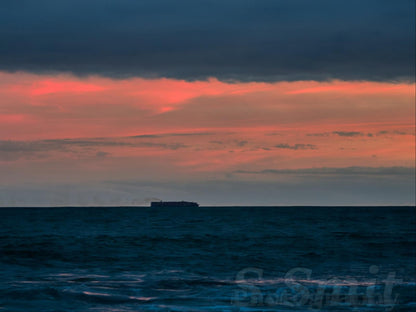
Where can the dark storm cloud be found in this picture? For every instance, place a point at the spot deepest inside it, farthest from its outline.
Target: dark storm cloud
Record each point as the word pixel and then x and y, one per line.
pixel 101 154
pixel 235 39
pixel 348 133
pixel 396 132
pixel 241 143
pixel 296 146
pixel 341 133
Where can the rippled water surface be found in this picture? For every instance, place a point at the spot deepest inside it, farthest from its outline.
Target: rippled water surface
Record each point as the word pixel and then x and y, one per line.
pixel 207 259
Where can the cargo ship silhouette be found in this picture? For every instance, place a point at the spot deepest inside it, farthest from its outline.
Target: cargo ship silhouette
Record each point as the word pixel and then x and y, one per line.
pixel 176 204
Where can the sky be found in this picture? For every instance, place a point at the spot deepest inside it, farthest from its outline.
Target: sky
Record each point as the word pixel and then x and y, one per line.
pixel 248 102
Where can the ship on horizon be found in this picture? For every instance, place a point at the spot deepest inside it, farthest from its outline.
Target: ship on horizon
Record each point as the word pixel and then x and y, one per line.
pixel 175 204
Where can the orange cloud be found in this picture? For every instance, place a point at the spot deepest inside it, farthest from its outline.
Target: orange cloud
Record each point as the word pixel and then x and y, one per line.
pixel 243 125
pixel 48 86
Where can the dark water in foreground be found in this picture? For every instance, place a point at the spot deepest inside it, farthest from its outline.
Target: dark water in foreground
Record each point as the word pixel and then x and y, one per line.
pixel 208 259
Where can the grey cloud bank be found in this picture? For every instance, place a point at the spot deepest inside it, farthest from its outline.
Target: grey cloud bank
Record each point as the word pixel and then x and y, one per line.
pixel 243 40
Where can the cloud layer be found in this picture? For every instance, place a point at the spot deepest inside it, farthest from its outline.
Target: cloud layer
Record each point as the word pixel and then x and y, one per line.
pixel 245 40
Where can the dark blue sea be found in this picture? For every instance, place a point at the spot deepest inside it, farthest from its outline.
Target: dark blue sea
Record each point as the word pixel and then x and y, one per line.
pixel 208 259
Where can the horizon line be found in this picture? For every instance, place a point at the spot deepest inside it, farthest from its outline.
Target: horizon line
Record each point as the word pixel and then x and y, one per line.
pixel 219 206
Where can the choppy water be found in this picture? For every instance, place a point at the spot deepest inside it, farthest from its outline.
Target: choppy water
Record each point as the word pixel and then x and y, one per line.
pixel 207 259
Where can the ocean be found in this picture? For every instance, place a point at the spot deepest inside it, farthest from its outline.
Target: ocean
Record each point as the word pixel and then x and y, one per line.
pixel 208 259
